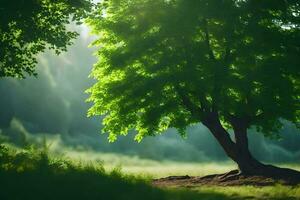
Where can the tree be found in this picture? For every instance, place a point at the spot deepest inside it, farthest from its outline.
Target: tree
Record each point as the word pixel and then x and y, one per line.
pixel 230 64
pixel 28 27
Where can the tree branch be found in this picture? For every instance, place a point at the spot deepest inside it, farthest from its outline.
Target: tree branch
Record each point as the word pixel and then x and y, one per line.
pixel 238 121
pixel 207 39
pixel 194 109
pixel 212 122
pixel 227 54
pixel 258 117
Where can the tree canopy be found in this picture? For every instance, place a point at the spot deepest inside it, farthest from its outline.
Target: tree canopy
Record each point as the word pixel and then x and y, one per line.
pixel 28 27
pixel 169 63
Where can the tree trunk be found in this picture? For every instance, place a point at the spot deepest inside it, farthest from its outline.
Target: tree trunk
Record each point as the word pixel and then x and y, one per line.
pixel 246 162
pixel 213 124
pixel 239 152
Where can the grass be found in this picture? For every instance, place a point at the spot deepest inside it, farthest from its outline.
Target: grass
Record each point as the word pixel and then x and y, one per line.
pixel 33 174
pixel 250 192
pixel 156 169
pixel 136 166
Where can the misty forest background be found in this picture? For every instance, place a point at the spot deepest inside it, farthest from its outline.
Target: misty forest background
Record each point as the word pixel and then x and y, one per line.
pixel 53 106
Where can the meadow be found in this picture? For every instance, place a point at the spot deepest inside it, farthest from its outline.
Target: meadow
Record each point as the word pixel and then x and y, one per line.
pixel 37 173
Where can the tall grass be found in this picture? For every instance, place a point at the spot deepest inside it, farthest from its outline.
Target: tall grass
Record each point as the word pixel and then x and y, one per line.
pixel 33 174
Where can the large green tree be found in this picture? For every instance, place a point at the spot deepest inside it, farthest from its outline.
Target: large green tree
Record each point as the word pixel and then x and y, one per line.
pixel 28 27
pixel 230 64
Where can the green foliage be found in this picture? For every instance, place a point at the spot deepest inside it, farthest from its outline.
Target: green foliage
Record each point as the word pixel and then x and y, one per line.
pixel 168 63
pixel 28 27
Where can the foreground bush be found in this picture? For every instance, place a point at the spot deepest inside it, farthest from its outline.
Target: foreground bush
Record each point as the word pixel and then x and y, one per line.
pixel 33 174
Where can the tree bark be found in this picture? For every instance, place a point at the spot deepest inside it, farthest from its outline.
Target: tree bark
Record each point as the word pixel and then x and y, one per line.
pixel 239 152
pixel 212 122
pixel 247 164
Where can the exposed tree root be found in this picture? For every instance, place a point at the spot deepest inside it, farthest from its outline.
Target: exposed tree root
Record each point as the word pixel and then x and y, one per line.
pixel 273 176
pixel 229 175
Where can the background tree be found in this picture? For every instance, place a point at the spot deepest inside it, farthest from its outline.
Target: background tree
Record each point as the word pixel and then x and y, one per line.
pixel 28 27
pixel 171 63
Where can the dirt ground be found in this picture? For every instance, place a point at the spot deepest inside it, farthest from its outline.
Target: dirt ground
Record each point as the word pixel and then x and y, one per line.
pixel 227 179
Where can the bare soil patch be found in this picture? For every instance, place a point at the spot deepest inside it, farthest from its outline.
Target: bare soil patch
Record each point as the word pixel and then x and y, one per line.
pixel 232 178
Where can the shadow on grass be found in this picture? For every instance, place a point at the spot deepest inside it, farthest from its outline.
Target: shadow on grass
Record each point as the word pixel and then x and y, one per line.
pixel 31 174
pixel 87 184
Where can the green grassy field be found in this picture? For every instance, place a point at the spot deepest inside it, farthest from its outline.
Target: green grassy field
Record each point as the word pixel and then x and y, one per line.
pixel 36 174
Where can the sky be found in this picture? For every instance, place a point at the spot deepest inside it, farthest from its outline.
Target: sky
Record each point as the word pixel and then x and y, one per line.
pixel 54 104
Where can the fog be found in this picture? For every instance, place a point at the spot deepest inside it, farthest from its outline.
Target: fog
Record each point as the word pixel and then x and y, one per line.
pixel 53 105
